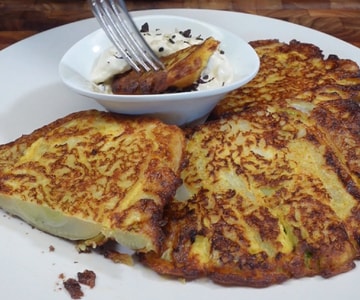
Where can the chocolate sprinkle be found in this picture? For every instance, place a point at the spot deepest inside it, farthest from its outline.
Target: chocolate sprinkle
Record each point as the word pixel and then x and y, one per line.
pixel 145 27
pixel 186 33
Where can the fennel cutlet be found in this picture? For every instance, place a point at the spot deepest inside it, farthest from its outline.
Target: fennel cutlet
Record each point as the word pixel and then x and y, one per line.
pixel 294 74
pixel 94 174
pixel 260 204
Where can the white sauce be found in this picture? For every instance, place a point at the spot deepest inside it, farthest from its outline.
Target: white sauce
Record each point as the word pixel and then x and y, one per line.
pixel 217 73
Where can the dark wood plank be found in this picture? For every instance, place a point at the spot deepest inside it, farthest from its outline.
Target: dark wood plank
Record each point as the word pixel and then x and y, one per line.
pixel 23 18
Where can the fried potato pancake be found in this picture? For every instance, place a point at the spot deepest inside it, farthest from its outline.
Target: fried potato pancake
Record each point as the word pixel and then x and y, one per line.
pixel 182 70
pixel 260 203
pixel 294 74
pixel 272 186
pixel 94 173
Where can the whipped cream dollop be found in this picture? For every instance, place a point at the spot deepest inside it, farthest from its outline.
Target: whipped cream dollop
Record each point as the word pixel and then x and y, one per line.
pixel 217 73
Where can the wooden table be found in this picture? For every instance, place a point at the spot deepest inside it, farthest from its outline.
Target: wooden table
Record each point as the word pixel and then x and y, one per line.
pixel 340 18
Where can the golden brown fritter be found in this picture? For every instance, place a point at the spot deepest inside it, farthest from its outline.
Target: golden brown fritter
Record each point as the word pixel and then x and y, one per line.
pixel 272 187
pixel 260 204
pixel 94 173
pixel 294 74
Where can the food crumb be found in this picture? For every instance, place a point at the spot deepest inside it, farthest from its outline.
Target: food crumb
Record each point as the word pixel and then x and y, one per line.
pixel 74 288
pixel 87 278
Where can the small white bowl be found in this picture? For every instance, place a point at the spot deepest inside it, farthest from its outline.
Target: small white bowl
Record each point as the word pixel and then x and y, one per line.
pixel 174 108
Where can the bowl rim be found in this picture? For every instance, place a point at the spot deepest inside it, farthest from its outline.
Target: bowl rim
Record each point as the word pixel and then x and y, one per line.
pixel 188 95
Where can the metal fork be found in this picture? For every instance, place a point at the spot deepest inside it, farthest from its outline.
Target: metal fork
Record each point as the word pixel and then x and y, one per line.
pixel 118 25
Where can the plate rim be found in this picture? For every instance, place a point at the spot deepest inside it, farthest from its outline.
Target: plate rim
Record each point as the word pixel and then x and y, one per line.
pixel 19 236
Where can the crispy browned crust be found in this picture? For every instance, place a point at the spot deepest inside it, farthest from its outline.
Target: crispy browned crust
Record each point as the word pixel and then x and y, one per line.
pixel 272 182
pixel 292 73
pixel 100 167
pixel 265 211
pixel 339 121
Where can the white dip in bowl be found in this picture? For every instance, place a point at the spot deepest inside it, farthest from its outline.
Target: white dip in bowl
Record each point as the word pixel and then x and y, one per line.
pixel 83 68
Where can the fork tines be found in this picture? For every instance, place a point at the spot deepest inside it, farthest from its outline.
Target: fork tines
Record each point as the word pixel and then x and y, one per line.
pixel 118 25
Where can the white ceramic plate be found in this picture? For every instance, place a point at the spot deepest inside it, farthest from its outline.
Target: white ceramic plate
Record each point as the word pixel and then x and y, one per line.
pixel 33 95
